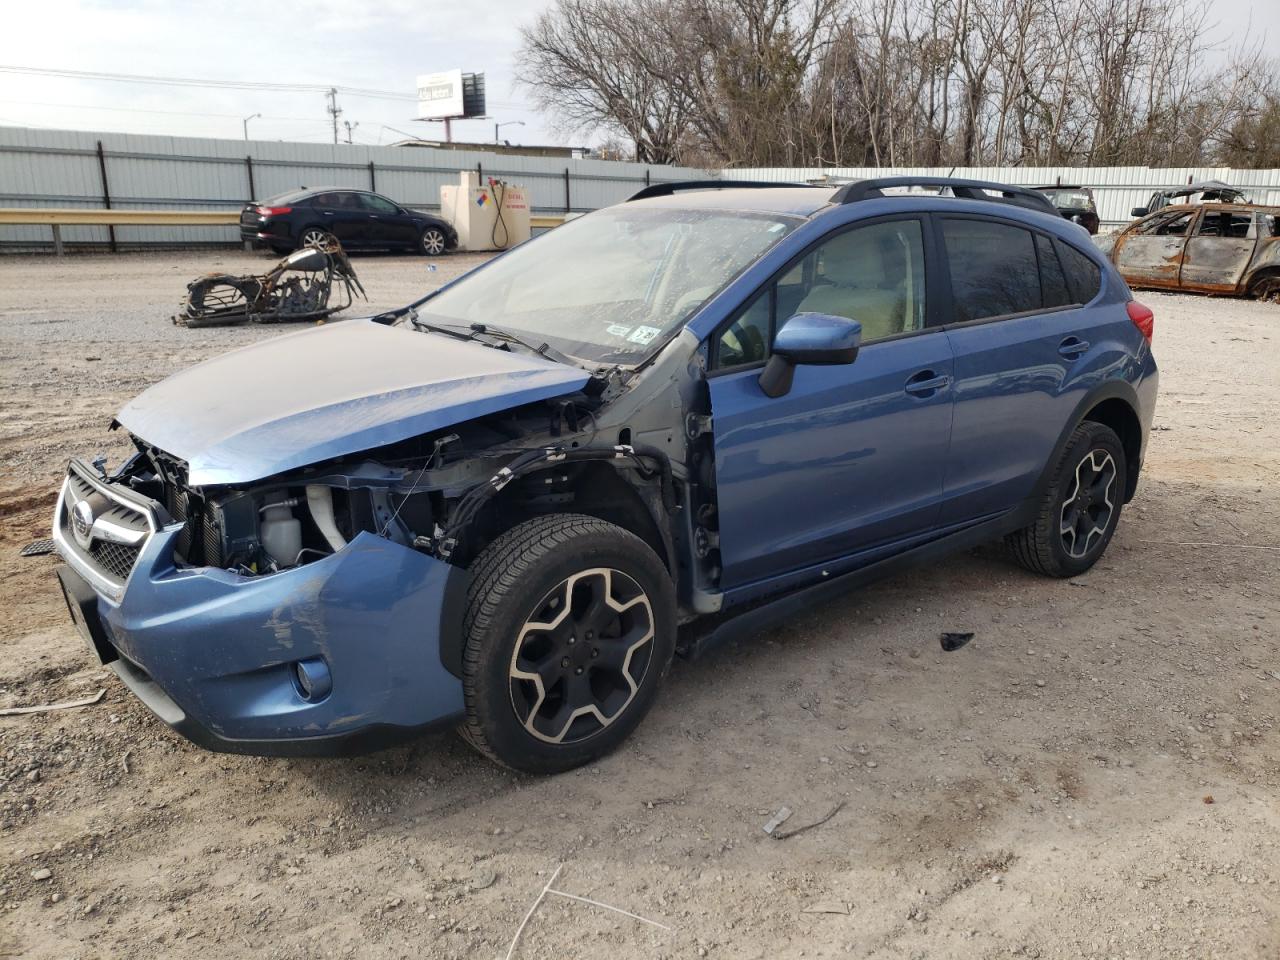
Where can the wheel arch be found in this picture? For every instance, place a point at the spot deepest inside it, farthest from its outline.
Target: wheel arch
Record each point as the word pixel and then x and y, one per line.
pixel 1113 404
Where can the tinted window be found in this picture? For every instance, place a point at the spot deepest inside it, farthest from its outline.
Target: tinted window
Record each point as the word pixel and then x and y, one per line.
pixel 1053 281
pixel 378 204
pixel 1084 278
pixel 993 269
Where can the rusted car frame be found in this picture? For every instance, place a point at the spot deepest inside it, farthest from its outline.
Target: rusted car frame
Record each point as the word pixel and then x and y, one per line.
pixel 1227 249
pixel 297 288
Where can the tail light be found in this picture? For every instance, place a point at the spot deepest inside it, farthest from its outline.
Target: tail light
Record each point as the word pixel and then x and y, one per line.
pixel 272 211
pixel 1142 318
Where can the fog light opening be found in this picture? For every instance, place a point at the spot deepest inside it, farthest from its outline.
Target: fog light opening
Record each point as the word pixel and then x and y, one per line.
pixel 313 679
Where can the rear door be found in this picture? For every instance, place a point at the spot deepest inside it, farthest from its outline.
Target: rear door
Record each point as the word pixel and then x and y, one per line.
pixel 388 225
pixel 1022 340
pixel 851 458
pixel 342 214
pixel 1220 250
pixel 1151 255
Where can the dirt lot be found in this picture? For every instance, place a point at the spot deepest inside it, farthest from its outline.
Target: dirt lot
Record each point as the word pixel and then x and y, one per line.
pixel 1096 775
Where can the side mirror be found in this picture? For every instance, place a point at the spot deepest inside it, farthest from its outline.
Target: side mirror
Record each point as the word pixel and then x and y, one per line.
pixel 1139 212
pixel 812 338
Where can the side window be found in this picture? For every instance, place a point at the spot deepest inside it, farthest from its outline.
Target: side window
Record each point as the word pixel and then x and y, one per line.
pixel 325 201
pixel 1170 226
pixel 378 204
pixel 1083 275
pixel 746 339
pixel 872 274
pixel 1053 281
pixel 994 271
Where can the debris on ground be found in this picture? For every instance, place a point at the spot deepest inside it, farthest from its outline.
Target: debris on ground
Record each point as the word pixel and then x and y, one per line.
pixel 954 641
pixel 37 548
pixel 784 834
pixel 295 289
pixel 777 820
pixel 49 707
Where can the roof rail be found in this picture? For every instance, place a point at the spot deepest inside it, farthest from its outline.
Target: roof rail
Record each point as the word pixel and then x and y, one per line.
pixel 965 189
pixel 667 189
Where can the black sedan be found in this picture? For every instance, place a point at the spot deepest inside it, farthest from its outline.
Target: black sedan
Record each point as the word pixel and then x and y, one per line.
pixel 359 219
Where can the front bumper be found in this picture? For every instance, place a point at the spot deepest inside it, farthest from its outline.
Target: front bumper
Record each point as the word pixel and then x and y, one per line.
pixel 214 654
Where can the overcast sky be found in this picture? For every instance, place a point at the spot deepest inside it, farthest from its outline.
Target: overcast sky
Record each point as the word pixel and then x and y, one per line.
pixel 375 44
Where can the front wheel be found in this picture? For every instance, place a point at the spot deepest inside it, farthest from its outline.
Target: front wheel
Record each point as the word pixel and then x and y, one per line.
pixel 432 242
pixel 570 627
pixel 1081 507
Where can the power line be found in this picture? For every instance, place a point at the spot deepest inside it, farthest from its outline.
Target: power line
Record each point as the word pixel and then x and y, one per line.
pixel 173 113
pixel 206 82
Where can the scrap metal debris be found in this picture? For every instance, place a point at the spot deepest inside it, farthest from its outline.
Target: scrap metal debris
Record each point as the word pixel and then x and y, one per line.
pixel 37 548
pixel 777 820
pixel 297 288
pixel 48 707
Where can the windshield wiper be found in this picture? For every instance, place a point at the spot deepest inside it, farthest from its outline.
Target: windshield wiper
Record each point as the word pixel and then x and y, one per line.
pixel 543 349
pixel 450 329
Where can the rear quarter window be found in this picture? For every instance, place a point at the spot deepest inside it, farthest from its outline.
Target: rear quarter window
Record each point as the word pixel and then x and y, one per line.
pixel 1084 277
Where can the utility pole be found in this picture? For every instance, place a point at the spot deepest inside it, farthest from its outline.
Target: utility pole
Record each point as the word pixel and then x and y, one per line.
pixel 350 126
pixel 246 124
pixel 334 110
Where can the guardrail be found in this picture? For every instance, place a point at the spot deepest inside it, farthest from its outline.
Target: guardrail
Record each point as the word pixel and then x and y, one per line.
pixel 58 218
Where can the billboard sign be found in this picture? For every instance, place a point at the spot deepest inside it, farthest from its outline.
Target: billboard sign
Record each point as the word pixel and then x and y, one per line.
pixel 440 95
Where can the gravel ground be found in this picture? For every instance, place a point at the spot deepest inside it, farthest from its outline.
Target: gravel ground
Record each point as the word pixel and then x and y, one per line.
pixel 1095 775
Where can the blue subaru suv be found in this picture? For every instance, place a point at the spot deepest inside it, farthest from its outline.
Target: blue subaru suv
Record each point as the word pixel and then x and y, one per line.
pixel 505 507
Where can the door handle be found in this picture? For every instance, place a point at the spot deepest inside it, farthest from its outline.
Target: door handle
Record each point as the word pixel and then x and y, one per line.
pixel 327 213
pixel 1073 347
pixel 926 383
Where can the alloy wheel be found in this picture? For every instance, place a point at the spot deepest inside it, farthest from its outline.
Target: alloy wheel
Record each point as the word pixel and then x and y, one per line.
pixel 433 242
pixel 581 656
pixel 1090 503
pixel 314 238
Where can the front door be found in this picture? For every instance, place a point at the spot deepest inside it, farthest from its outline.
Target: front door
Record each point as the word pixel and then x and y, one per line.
pixel 1151 256
pixel 1219 251
pixel 388 225
pixel 850 460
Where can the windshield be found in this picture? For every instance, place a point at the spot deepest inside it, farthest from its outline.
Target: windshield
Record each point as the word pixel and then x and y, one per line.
pixel 606 287
pixel 1069 199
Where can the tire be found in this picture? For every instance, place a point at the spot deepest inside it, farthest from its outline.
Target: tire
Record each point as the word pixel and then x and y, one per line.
pixel 602 668
pixel 313 235
pixel 1081 507
pixel 432 242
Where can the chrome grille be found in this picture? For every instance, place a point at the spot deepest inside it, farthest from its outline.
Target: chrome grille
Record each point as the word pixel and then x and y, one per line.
pixel 100 529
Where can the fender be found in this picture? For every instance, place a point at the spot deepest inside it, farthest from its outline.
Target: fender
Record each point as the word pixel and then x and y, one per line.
pixel 1108 390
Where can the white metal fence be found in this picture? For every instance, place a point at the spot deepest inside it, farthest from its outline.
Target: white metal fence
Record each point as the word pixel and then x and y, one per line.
pixel 1116 189
pixel 64 168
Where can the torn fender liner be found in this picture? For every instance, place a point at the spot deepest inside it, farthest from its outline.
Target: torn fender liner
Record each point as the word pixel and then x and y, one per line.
pixel 330 391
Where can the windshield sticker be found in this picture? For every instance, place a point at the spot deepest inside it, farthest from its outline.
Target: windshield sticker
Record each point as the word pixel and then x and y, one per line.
pixel 644 335
pixel 617 330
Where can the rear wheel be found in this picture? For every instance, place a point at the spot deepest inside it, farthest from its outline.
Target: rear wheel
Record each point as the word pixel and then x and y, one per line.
pixel 315 237
pixel 1081 507
pixel 432 242
pixel 570 627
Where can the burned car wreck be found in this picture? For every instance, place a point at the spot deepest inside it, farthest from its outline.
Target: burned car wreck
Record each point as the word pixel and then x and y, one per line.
pixel 506 506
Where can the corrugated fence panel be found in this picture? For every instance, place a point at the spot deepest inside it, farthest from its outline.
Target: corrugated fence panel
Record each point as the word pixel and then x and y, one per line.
pixel 1117 189
pixel 59 168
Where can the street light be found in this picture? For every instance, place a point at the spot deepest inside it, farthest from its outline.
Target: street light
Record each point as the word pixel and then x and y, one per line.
pixel 245 123
pixel 509 123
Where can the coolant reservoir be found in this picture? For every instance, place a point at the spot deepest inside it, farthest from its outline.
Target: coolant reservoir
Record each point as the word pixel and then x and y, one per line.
pixel 281 534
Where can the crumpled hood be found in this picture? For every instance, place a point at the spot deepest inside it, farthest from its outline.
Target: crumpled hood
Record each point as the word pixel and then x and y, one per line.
pixel 329 391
